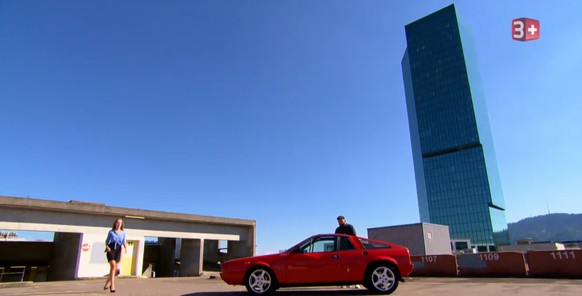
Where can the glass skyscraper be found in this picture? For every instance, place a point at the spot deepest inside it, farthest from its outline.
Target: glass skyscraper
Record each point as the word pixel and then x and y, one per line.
pixel 457 178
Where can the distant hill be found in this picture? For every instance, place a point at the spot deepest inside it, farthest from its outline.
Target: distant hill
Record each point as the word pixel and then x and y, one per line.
pixel 551 227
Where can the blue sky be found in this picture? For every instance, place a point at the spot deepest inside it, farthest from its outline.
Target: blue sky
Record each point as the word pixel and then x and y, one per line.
pixel 285 112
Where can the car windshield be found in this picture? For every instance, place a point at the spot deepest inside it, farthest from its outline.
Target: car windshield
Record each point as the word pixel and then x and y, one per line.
pixel 373 245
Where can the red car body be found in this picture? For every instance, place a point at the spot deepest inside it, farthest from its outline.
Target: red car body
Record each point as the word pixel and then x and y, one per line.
pixel 324 259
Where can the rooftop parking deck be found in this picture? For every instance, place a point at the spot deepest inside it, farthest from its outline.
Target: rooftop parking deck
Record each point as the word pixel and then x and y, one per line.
pixel 211 285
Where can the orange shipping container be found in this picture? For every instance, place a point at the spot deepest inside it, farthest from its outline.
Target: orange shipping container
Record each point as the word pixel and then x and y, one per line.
pixel 555 264
pixel 492 264
pixel 434 265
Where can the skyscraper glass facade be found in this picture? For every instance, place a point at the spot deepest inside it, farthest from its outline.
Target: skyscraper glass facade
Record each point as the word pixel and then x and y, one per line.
pixel 456 171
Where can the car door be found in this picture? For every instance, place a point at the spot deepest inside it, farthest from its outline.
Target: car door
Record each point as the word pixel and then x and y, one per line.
pixel 353 260
pixel 316 261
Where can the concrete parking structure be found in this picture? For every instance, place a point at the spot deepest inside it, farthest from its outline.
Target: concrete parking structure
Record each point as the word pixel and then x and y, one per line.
pixel 80 228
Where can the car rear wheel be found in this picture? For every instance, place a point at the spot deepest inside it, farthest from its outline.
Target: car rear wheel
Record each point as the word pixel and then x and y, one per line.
pixel 381 279
pixel 260 281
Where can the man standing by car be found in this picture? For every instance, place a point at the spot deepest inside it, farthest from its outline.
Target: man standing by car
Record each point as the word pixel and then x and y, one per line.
pixel 344 227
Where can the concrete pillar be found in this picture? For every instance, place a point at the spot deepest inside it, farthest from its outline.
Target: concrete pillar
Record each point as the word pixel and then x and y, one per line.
pixel 64 262
pixel 243 248
pixel 237 249
pixel 139 256
pixel 165 265
pixel 191 257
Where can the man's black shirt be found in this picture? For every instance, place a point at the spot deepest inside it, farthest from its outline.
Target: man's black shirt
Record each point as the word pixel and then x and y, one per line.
pixel 346 229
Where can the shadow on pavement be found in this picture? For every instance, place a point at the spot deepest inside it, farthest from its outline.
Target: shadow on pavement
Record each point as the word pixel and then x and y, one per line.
pixel 287 293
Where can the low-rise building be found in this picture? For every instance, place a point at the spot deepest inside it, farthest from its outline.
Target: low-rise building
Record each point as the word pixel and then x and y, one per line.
pixel 80 229
pixel 527 245
pixel 420 238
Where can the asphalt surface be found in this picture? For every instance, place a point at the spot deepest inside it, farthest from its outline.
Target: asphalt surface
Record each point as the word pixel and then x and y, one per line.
pixel 210 285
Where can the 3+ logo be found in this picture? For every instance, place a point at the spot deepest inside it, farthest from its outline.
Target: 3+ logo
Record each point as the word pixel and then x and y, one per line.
pixel 525 29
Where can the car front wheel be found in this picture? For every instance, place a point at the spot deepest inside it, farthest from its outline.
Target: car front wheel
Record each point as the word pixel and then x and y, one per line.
pixel 382 279
pixel 260 281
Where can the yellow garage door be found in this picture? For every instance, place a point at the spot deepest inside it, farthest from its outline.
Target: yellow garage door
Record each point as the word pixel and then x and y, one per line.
pixel 128 259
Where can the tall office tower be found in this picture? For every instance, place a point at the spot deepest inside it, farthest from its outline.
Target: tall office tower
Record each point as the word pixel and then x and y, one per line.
pixel 457 179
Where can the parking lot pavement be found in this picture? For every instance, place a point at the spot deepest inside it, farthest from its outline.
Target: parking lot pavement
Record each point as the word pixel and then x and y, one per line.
pixel 205 286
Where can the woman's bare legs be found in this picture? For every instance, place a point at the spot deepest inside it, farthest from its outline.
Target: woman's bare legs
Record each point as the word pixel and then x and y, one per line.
pixel 111 277
pixel 108 281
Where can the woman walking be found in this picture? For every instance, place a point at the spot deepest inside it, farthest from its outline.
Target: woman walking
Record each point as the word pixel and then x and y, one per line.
pixel 113 244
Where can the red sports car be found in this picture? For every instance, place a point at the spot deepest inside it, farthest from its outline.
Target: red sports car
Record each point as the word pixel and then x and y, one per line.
pixel 321 260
